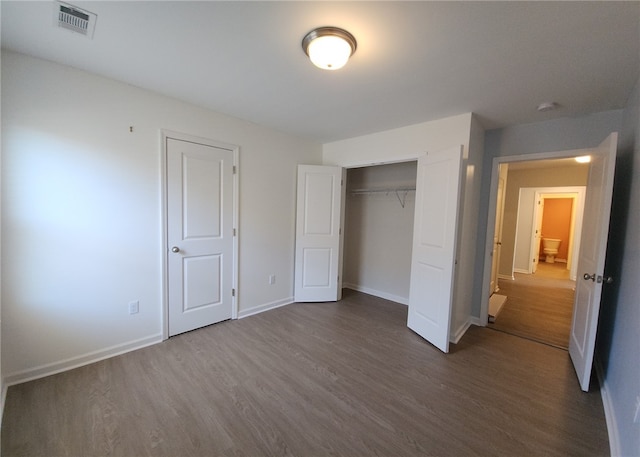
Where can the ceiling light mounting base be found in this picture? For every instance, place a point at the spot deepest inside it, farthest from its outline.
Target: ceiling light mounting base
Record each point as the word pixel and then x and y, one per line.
pixel 547 106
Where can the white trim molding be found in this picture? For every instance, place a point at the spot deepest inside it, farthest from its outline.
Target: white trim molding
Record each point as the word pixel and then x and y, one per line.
pixel 377 293
pixel 265 307
pixel 79 361
pixel 460 331
pixel 609 412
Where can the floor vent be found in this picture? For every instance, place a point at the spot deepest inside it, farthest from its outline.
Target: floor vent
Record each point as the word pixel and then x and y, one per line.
pixel 75 19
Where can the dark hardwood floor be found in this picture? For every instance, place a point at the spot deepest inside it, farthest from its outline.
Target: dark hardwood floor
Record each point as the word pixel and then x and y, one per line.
pixel 538 306
pixel 341 379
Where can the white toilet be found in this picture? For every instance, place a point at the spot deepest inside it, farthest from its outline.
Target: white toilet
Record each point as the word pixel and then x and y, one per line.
pixel 550 248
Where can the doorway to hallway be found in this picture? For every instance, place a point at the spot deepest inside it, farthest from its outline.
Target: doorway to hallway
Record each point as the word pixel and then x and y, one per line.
pixel 539 306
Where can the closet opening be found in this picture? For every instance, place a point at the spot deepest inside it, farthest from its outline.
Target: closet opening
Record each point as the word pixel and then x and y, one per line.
pixel 379 217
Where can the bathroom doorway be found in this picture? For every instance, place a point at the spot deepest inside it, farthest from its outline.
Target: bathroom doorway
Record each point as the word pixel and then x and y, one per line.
pixel 539 295
pixel 549 217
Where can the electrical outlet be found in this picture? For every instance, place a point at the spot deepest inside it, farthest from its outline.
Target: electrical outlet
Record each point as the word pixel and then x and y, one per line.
pixel 636 417
pixel 134 307
pixel 272 279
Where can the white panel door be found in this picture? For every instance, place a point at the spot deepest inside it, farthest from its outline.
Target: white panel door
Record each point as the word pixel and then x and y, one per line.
pixel 318 233
pixel 199 234
pixel 537 232
pixel 497 234
pixel 434 246
pixel 593 245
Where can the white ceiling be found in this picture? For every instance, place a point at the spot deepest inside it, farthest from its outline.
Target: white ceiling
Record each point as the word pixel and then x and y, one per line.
pixel 416 61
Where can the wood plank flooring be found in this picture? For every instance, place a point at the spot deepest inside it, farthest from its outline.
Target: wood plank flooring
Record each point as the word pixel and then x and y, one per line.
pixel 538 306
pixel 340 379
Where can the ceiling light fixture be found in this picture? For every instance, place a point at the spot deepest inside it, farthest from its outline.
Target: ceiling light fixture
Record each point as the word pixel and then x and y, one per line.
pixel 583 159
pixel 329 48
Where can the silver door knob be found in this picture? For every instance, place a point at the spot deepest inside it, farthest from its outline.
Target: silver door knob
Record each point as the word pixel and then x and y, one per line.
pixel 587 276
pixel 175 249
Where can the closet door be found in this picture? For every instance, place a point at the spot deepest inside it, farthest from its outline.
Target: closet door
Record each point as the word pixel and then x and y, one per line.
pixel 318 259
pixel 434 245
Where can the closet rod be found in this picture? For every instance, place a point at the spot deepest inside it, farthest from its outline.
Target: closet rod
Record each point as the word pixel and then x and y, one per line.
pixel 382 190
pixel 396 190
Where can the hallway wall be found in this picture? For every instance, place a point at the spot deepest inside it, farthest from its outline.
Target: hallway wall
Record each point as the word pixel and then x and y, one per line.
pixel 566 175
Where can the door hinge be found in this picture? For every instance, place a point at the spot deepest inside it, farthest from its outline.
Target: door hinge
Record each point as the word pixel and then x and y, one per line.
pixel 233 292
pixel 340 231
pixel 234 232
pixel 342 182
pixel 235 170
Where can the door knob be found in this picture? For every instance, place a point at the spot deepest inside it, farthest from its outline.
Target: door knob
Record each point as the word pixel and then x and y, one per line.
pixel 175 249
pixel 587 276
pixel 606 279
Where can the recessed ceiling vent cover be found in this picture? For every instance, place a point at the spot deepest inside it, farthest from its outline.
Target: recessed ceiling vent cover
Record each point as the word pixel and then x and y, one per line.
pixel 75 19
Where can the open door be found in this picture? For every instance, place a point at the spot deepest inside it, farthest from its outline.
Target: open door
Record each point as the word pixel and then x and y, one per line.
pixel 318 233
pixel 593 247
pixel 434 246
pixel 497 233
pixel 537 232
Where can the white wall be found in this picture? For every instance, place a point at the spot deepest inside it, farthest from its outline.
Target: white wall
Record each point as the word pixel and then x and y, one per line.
pixel 409 143
pixel 401 144
pixel 379 231
pixel 468 235
pixel 81 212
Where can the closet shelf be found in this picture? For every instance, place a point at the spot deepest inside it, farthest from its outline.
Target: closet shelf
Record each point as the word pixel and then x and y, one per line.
pixel 386 190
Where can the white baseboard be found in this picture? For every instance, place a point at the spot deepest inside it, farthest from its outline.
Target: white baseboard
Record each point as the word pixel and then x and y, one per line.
pixel 266 307
pixel 376 293
pixel 520 270
pixel 508 277
pixel 78 361
pixel 477 321
pixel 459 333
pixel 609 413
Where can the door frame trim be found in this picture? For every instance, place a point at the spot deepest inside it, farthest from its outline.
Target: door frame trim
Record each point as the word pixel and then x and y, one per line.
pixel 491 216
pixel 164 135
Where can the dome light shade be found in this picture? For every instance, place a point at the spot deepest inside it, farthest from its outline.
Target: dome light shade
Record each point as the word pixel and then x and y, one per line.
pixel 329 48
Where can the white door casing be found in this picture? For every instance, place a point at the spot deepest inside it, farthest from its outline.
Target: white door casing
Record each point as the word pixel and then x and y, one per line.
pixel 591 260
pixel 537 232
pixel 497 235
pixel 320 196
pixel 434 245
pixel 199 234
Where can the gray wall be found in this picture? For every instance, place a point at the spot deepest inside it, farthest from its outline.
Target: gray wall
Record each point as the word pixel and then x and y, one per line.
pixel 549 136
pixel 618 345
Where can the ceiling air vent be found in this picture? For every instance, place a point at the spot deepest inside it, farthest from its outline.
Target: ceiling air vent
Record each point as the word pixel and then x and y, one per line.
pixel 75 19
